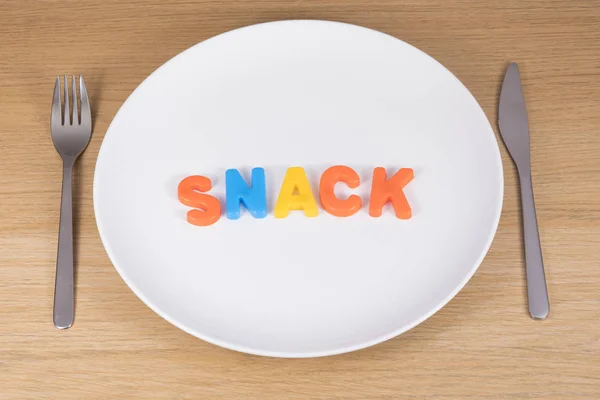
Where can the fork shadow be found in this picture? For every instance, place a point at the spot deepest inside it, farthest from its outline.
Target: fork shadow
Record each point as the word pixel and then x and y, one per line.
pixel 94 83
pixel 77 220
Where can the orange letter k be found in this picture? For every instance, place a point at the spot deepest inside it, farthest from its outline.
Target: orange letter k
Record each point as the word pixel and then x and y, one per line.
pixel 384 191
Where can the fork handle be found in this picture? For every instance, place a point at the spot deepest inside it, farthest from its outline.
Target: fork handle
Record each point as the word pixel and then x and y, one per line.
pixel 537 291
pixel 63 289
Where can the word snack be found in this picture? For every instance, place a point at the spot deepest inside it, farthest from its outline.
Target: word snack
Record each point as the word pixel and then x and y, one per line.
pixel 295 194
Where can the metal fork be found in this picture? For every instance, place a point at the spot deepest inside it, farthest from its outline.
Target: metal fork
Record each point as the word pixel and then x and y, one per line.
pixel 71 136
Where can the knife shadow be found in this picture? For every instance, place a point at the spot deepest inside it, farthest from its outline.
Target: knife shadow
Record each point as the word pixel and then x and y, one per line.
pixel 523 271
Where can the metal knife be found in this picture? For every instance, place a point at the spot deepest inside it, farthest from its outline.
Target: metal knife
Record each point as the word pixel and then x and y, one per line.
pixel 514 128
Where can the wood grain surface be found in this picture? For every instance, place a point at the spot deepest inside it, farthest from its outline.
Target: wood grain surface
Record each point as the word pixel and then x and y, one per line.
pixel 482 345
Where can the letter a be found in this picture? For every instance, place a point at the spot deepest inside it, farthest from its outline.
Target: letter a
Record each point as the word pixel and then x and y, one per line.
pixel 295 194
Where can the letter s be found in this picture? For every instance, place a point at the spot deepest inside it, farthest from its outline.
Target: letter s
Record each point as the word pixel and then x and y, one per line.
pixel 207 208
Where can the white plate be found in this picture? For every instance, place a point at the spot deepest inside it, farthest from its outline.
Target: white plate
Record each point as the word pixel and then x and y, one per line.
pixel 311 94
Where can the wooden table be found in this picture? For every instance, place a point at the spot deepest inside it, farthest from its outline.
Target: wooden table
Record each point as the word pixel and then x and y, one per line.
pixel 482 345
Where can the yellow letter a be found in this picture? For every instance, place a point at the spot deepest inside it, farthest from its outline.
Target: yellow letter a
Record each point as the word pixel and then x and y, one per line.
pixel 295 194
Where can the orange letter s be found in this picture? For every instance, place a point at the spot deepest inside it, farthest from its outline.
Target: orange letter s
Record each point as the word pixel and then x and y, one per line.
pixel 207 208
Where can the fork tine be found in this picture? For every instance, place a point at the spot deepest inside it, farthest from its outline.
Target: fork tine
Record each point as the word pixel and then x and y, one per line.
pixel 67 119
pixel 86 114
pixel 56 115
pixel 74 98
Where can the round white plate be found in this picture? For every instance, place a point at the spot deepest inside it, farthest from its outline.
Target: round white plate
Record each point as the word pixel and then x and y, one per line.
pixel 312 94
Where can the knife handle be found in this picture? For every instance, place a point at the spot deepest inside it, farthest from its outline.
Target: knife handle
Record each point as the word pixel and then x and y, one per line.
pixel 537 291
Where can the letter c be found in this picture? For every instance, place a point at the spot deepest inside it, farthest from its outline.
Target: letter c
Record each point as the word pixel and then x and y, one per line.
pixel 333 205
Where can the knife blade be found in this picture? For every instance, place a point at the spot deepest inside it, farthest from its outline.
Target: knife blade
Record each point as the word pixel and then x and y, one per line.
pixel 514 129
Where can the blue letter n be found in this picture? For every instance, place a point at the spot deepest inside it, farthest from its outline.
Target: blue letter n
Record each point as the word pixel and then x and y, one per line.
pixel 238 192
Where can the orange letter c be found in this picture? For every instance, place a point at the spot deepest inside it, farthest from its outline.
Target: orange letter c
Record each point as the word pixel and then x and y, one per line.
pixel 333 205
